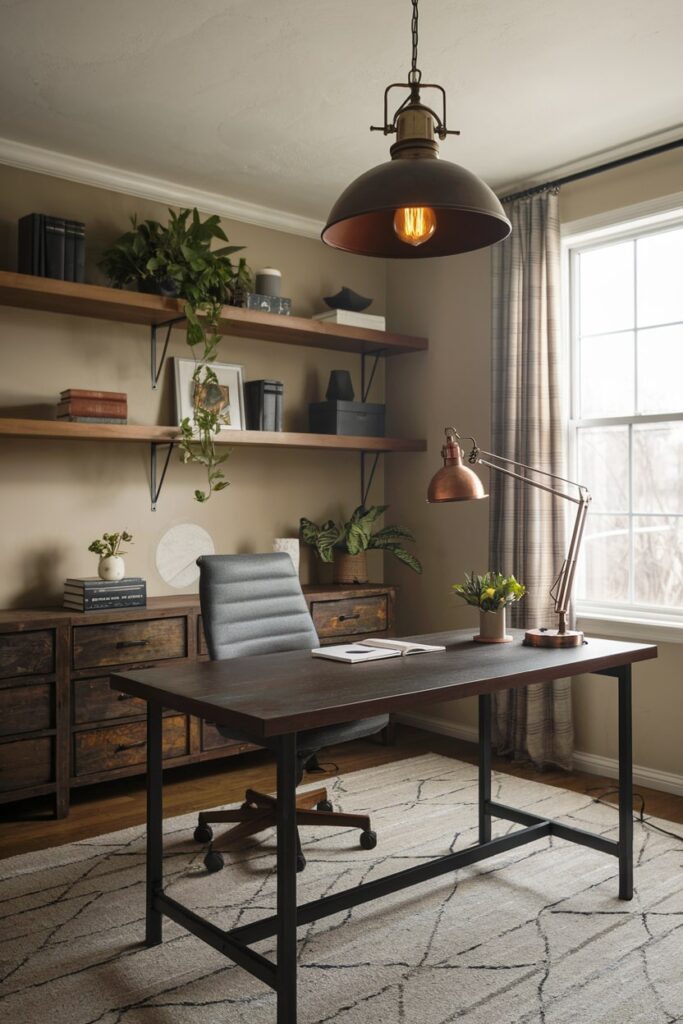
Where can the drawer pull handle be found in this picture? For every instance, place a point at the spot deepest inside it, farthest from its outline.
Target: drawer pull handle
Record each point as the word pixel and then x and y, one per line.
pixel 132 643
pixel 125 696
pixel 347 618
pixel 129 746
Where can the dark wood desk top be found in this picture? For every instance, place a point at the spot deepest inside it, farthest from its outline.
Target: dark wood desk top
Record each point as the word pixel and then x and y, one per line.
pixel 278 693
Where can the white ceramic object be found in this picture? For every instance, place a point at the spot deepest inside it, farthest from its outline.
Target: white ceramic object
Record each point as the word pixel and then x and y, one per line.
pixel 178 551
pixel 291 546
pixel 111 568
pixel 492 628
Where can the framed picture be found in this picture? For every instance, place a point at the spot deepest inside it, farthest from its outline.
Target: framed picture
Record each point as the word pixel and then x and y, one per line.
pixel 226 398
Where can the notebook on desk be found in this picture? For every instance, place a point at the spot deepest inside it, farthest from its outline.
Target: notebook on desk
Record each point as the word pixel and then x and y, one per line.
pixel 373 650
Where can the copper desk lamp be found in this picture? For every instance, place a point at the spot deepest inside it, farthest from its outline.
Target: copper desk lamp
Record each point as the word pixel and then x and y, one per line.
pixel 457 482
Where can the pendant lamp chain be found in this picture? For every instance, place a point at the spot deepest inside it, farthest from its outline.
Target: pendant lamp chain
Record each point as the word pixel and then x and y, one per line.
pixel 414 75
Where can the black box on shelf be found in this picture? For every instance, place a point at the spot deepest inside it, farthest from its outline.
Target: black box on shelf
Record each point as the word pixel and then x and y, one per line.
pixel 268 303
pixel 263 400
pixel 355 419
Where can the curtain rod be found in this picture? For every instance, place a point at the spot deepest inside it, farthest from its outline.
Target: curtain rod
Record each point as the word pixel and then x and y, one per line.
pixel 590 171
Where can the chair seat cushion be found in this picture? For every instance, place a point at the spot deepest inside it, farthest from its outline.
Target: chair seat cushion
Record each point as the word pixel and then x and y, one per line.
pixel 311 740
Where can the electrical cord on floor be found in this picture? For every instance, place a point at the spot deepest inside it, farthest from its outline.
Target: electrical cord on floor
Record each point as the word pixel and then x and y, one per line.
pixel 639 816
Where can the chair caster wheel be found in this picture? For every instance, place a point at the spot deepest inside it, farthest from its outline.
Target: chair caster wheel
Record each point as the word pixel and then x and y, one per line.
pixel 324 805
pixel 203 834
pixel 213 861
pixel 368 840
pixel 300 862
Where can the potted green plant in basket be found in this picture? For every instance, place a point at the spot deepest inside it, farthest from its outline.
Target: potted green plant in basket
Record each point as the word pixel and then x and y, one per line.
pixel 177 259
pixel 346 544
pixel 491 594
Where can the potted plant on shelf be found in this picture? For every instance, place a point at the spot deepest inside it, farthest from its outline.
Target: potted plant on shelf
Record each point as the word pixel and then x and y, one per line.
pixel 346 544
pixel 491 594
pixel 111 565
pixel 177 259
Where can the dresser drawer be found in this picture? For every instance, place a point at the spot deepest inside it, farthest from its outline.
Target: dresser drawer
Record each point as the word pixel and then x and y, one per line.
pixel 95 701
pixel 202 649
pixel 120 746
pixel 25 763
pixel 353 615
pixel 27 654
pixel 212 740
pixel 26 708
pixel 120 643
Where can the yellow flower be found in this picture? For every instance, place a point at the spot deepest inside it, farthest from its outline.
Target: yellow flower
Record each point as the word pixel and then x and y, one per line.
pixel 489 592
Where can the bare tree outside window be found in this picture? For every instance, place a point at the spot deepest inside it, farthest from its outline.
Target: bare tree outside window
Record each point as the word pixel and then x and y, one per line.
pixel 627 419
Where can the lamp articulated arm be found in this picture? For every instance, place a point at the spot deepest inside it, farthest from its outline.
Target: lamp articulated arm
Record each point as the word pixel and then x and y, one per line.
pixel 562 587
pixel 457 483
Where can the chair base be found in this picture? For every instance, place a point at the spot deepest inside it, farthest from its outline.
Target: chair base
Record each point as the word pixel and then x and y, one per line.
pixel 258 811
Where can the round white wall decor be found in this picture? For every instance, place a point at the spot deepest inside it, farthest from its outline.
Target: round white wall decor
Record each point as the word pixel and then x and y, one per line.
pixel 178 551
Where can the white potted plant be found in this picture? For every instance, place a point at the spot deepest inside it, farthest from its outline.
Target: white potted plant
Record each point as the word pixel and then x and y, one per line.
pixel 491 594
pixel 111 565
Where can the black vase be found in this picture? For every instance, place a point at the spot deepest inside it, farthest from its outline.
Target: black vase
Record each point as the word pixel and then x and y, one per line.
pixel 340 388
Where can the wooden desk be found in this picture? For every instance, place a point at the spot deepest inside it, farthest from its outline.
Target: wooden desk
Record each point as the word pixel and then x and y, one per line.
pixel 272 696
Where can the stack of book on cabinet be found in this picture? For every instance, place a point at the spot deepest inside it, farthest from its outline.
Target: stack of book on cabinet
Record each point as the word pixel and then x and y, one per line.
pixel 91 594
pixel 93 406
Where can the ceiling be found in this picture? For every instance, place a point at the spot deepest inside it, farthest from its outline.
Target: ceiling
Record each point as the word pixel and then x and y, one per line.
pixel 269 101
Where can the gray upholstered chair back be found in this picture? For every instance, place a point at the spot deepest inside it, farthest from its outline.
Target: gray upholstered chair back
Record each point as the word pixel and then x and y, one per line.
pixel 253 604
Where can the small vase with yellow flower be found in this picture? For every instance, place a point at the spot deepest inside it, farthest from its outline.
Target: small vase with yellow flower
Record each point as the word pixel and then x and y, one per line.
pixel 491 594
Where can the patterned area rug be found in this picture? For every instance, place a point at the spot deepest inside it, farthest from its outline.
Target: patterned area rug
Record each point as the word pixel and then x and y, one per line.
pixel 535 935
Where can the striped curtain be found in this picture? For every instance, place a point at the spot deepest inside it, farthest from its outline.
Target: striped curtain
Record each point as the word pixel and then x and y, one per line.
pixel 527 527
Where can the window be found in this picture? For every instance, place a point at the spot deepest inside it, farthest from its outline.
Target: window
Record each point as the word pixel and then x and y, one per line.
pixel 626 430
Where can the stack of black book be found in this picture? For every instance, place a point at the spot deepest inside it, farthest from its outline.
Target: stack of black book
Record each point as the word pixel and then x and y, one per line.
pixel 91 594
pixel 263 400
pixel 51 247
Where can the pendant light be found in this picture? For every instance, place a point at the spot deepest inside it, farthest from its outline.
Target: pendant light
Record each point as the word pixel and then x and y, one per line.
pixel 415 205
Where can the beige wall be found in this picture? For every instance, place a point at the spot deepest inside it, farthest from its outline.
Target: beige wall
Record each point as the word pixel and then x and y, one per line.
pixel 55 497
pixel 449 300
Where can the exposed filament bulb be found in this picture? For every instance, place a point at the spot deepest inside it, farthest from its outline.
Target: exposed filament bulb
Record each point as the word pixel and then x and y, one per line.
pixel 415 225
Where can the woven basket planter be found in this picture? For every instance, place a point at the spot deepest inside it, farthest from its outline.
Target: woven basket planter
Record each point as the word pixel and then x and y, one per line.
pixel 350 568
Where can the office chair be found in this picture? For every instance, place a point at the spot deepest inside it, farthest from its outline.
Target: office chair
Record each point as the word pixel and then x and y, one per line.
pixel 251 605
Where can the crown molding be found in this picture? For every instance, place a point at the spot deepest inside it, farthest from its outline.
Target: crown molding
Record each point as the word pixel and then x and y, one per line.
pixel 591 160
pixel 87 172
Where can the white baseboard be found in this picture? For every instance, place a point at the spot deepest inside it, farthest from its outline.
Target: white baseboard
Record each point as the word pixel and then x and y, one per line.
pixel 594 764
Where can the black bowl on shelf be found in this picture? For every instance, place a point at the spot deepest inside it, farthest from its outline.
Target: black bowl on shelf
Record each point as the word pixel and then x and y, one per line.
pixel 346 298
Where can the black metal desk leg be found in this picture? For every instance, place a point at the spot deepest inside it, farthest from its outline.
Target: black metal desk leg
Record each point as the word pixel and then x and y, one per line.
pixel 484 766
pixel 154 822
pixel 625 786
pixel 286 880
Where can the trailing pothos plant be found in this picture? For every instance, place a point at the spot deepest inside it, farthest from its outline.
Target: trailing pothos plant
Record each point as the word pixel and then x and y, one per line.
pixel 355 536
pixel 176 259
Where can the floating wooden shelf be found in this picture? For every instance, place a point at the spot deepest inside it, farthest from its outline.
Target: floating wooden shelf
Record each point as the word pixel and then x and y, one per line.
pixel 63 430
pixel 45 293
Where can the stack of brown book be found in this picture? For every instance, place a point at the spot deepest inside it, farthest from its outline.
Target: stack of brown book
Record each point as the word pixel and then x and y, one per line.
pixel 93 406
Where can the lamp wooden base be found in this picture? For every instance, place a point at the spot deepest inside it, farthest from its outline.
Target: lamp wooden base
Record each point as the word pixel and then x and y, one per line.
pixel 541 637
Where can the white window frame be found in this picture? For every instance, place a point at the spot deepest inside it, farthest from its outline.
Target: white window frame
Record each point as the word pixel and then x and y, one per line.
pixel 623 620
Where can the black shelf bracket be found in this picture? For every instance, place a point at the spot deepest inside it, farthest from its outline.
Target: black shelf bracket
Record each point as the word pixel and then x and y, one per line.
pixel 366 477
pixel 365 381
pixel 157 482
pixel 155 367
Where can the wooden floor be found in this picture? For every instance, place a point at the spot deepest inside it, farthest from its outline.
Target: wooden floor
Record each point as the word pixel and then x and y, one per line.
pixel 107 807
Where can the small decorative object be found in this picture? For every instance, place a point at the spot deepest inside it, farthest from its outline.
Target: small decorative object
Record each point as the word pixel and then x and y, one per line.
pixel 268 282
pixel 291 546
pixel 346 544
pixel 268 303
pixel 177 259
pixel 222 396
pixel 340 386
pixel 83 406
pixel 491 594
pixel 347 318
pixel 346 298
pixel 111 565
pixel 177 553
